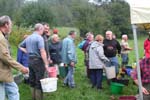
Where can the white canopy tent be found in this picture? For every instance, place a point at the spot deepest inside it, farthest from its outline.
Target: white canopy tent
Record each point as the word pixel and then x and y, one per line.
pixel 140 11
pixel 140 14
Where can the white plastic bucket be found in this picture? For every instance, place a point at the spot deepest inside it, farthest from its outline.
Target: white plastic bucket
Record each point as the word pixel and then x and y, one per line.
pixel 110 72
pixel 49 84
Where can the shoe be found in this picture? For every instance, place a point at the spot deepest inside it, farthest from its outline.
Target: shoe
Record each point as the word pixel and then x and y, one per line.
pixel 99 88
pixel 65 84
pixel 72 86
pixel 92 86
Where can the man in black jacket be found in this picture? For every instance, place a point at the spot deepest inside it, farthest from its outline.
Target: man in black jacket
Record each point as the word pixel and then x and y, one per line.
pixel 111 49
pixel 46 36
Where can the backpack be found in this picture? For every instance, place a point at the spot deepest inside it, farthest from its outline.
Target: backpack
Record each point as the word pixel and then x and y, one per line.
pixel 81 44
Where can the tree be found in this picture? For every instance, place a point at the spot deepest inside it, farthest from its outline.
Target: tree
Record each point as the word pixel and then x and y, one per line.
pixel 91 18
pixel 9 7
pixel 120 17
pixel 73 13
pixel 35 12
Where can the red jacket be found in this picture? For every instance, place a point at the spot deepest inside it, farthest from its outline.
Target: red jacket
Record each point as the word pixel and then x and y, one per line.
pixel 147 48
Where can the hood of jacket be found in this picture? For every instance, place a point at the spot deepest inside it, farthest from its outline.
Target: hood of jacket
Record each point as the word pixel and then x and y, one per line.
pixel 96 44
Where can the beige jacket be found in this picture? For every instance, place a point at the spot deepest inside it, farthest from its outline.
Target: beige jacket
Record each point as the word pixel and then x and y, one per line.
pixel 6 61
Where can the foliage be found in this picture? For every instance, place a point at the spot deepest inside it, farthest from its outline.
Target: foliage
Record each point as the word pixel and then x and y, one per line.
pixel 71 13
pixel 9 7
pixel 109 16
pixel 92 19
pixel 34 12
pixel 119 12
pixel 17 34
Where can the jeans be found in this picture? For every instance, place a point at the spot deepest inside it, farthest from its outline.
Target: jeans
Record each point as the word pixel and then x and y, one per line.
pixel 124 59
pixel 114 62
pixel 11 90
pixel 2 91
pixel 69 79
pixel 96 77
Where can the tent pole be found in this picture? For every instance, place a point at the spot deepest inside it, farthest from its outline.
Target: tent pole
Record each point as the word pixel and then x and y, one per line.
pixel 137 61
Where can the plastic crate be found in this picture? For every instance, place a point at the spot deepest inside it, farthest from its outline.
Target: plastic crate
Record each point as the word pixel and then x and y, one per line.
pixel 127 98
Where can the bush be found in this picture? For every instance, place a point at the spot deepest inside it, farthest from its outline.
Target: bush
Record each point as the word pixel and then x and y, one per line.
pixel 17 34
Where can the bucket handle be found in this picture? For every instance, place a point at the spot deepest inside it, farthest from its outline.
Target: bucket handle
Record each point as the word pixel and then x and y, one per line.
pixel 46 74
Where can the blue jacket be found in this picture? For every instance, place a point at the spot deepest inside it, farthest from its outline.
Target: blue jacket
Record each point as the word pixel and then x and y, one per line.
pixel 22 58
pixel 68 50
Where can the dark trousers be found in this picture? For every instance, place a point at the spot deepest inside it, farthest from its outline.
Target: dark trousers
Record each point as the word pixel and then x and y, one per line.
pixel 37 69
pixel 87 71
pixel 96 77
pixel 87 67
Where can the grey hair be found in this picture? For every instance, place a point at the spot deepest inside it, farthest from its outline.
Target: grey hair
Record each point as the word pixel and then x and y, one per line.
pixel 54 35
pixel 38 26
pixel 124 36
pixel 109 32
pixel 89 34
pixel 4 20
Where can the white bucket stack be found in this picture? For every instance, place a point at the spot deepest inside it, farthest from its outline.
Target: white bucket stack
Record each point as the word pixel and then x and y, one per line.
pixel 49 84
pixel 110 72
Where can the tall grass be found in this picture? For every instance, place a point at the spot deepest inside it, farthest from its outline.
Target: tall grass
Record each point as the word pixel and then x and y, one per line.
pixel 132 56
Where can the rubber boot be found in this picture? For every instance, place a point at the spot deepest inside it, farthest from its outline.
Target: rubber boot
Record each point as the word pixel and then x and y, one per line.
pixel 38 94
pixel 33 93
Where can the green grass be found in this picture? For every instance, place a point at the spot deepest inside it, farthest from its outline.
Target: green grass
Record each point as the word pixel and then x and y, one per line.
pixel 83 91
pixel 132 56
pixel 63 31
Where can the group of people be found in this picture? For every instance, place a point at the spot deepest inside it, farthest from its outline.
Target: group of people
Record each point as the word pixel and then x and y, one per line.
pixel 45 50
pixel 36 53
pixel 100 53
